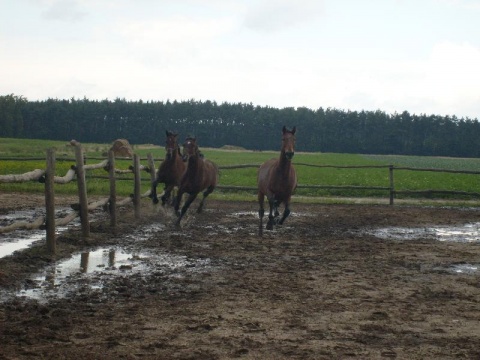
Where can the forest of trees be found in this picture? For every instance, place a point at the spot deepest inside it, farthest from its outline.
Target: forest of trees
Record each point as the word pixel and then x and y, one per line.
pixel 239 124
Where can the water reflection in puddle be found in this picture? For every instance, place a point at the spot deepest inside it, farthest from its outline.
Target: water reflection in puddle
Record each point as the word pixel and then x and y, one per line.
pixel 10 245
pixel 254 214
pixel 22 239
pixel 464 233
pixel 93 269
pixel 460 269
pixel 469 233
pixel 464 269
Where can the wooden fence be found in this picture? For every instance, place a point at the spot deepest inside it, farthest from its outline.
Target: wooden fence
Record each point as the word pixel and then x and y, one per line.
pixel 389 188
pixel 78 172
pixel 47 176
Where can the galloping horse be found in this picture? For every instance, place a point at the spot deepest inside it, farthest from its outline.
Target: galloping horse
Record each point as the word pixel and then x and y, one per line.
pixel 201 174
pixel 277 180
pixel 171 169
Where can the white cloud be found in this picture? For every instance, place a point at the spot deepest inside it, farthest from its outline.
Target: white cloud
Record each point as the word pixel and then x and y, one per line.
pixel 272 15
pixel 183 49
pixel 64 10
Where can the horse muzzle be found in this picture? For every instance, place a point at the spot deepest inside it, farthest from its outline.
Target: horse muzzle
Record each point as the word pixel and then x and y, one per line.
pixel 289 155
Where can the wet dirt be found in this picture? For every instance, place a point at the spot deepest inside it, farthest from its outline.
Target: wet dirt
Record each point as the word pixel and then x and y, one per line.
pixel 322 286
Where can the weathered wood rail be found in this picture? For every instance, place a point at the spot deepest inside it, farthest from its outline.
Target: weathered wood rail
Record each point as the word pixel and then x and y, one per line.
pixel 79 170
pixel 388 188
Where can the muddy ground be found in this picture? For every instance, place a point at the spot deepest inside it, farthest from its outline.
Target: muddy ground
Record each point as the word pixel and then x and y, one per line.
pixel 319 287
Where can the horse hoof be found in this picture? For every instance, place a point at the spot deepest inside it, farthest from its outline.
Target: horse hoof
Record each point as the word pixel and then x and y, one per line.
pixel 269 226
pixel 155 201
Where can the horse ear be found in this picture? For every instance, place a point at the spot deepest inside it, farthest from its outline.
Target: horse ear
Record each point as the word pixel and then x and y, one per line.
pixel 284 129
pixel 294 129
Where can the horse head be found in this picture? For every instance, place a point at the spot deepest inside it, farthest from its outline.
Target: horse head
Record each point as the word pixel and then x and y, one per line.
pixel 171 144
pixel 288 142
pixel 190 147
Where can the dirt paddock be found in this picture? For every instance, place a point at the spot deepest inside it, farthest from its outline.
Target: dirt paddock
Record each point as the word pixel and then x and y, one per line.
pixel 320 287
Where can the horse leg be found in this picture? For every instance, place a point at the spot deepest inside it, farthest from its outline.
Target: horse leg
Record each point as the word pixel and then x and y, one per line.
pixel 166 194
pixel 271 218
pixel 276 213
pixel 205 194
pixel 185 206
pixel 173 196
pixel 178 201
pixel 286 212
pixel 153 192
pixel 261 212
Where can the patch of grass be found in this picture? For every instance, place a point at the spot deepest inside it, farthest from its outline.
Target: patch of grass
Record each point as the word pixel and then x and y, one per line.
pixel 307 175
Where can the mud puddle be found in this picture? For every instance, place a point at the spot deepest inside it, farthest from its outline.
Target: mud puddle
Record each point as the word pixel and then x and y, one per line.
pixel 22 239
pixel 467 233
pixel 95 271
pixel 464 268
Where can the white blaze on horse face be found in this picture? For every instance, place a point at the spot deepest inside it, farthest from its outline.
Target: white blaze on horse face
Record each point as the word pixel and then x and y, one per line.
pixel 189 147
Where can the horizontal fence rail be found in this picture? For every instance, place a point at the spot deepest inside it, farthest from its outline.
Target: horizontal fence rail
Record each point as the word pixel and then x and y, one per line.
pixel 79 173
pixel 76 172
pixel 38 174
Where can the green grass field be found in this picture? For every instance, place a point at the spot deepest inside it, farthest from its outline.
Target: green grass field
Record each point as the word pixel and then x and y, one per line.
pixel 367 177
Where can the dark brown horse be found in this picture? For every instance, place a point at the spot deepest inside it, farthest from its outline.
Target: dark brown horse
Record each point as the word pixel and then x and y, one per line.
pixel 201 175
pixel 171 169
pixel 277 180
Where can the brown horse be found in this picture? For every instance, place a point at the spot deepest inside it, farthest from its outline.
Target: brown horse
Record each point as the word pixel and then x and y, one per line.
pixel 277 180
pixel 201 174
pixel 171 169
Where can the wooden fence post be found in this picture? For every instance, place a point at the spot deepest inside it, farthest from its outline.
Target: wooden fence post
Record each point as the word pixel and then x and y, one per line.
pixel 113 189
pixel 136 189
pixel 82 190
pixel 50 202
pixel 392 186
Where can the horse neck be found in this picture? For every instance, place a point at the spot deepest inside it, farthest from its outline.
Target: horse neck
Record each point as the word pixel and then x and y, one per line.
pixel 194 163
pixel 175 155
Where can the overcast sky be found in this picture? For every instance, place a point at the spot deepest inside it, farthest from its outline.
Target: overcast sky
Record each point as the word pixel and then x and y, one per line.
pixel 422 56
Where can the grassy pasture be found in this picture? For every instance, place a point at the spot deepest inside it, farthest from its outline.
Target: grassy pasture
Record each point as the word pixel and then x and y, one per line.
pixel 379 177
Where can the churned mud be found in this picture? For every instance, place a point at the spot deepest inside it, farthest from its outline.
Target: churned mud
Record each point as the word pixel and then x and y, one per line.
pixel 335 282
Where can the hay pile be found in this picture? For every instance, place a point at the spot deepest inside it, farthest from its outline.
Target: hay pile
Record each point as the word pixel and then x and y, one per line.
pixel 122 148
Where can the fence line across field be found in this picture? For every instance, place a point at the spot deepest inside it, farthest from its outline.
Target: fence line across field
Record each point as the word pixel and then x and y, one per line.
pixel 79 170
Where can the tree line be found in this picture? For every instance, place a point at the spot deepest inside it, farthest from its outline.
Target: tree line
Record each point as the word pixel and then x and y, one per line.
pixel 239 124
